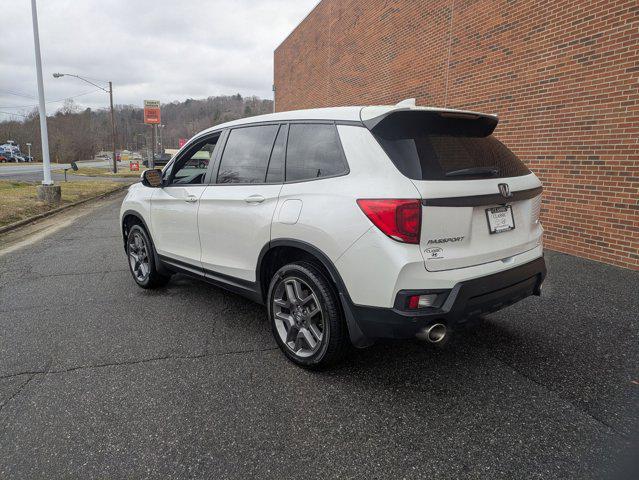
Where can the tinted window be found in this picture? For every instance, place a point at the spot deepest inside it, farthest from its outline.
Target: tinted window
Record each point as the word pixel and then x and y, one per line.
pixel 427 146
pixel 191 168
pixel 313 151
pixel 246 154
pixel 276 165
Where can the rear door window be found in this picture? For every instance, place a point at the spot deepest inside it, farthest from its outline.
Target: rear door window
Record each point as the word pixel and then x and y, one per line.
pixel 314 151
pixel 428 146
pixel 246 154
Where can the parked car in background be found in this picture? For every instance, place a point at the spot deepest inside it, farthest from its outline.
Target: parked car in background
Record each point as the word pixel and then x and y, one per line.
pixel 3 159
pixel 161 159
pixel 350 224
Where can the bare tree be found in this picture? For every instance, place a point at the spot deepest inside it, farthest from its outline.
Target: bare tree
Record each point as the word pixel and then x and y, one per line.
pixel 76 134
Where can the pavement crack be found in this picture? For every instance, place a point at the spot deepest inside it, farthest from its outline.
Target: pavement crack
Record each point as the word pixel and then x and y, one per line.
pixel 70 274
pixel 17 392
pixel 24 384
pixel 138 362
pixel 19 374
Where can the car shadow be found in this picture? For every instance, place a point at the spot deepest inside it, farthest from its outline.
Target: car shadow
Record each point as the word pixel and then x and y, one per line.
pixel 469 349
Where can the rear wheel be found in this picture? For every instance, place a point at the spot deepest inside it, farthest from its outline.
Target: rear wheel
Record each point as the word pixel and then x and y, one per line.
pixel 305 316
pixel 142 259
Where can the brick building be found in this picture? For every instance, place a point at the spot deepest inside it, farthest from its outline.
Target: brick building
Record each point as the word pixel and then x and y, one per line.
pixel 562 75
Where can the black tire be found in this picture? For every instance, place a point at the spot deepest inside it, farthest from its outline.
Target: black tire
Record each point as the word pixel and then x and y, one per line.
pixel 151 277
pixel 334 341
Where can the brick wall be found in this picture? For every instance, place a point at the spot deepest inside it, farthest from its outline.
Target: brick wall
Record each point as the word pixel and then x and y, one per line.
pixel 562 75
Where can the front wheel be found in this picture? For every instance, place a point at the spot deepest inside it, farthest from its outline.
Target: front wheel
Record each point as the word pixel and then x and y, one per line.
pixel 142 259
pixel 305 316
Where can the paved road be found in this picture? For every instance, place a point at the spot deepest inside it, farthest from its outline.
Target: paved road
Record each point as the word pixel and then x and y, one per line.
pixel 99 378
pixel 9 169
pixel 59 178
pixel 25 172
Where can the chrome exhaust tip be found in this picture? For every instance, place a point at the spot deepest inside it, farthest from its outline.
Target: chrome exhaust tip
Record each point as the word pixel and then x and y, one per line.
pixel 436 333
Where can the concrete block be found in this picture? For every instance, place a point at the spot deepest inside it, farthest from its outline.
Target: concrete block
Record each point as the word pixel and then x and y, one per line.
pixel 51 194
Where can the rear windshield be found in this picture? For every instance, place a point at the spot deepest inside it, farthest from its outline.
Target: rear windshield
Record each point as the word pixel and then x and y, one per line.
pixel 430 146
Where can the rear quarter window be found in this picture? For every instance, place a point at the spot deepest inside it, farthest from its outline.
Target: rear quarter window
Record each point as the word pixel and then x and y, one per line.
pixel 427 146
pixel 313 151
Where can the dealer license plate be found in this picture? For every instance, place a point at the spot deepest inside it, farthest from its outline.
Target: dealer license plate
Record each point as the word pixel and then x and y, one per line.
pixel 500 219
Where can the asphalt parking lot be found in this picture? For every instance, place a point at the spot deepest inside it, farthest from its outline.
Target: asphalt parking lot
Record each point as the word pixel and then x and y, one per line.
pixel 100 379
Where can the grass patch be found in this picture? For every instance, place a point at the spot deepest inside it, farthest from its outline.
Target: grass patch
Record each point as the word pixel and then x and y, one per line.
pixel 123 172
pixel 19 200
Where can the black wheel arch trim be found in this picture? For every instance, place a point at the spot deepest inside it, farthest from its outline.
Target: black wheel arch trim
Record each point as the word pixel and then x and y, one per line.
pixel 358 339
pixel 128 213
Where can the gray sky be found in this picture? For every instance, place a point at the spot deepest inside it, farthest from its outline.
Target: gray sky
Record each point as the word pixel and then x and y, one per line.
pixel 151 49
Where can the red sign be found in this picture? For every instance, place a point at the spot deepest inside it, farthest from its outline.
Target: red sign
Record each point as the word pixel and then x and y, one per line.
pixel 181 142
pixel 134 166
pixel 152 112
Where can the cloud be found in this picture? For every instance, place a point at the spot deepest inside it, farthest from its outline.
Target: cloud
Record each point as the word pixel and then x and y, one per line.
pixel 150 49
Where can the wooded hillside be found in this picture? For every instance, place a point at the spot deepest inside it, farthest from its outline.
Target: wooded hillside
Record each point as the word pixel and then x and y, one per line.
pixel 76 134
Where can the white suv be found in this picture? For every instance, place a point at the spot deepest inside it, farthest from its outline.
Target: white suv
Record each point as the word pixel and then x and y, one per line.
pixel 350 224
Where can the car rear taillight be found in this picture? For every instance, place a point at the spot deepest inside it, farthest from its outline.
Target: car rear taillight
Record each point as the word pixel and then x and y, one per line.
pixel 400 219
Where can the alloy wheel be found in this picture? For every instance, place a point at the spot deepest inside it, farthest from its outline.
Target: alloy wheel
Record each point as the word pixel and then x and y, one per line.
pixel 139 257
pixel 298 317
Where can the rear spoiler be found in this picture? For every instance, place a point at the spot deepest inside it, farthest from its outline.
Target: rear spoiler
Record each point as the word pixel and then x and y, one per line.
pixel 445 121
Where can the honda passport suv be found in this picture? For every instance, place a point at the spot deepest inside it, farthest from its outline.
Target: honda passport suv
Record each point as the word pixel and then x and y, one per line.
pixel 349 224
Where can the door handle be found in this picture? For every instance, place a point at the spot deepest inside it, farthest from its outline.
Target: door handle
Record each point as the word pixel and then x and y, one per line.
pixel 254 199
pixel 190 199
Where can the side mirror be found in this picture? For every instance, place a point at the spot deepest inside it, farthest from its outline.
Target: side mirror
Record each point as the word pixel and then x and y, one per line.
pixel 152 178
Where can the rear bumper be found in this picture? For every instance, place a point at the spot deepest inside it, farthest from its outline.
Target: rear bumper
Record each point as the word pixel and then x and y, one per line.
pixel 465 300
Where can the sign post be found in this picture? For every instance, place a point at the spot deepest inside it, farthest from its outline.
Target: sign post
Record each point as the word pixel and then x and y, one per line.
pixel 152 117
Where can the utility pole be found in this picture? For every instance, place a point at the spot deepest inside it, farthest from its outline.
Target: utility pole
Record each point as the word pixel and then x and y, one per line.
pixel 44 134
pixel 273 98
pixel 110 92
pixel 115 161
pixel 160 129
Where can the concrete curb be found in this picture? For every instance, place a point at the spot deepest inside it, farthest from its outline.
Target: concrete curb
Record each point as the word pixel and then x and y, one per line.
pixel 26 221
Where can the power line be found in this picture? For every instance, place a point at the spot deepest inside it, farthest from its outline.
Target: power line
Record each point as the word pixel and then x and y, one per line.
pixel 17 94
pixel 51 101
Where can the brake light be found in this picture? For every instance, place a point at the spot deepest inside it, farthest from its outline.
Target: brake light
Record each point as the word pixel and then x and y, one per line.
pixel 400 219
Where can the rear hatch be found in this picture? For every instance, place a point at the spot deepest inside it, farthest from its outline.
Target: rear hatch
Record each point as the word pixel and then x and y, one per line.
pixel 480 203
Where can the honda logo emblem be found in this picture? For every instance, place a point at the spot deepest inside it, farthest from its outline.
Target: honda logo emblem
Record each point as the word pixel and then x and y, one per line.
pixel 504 189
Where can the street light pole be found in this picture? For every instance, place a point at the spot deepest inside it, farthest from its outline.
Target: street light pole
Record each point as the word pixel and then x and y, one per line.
pixel 110 92
pixel 115 162
pixel 44 134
